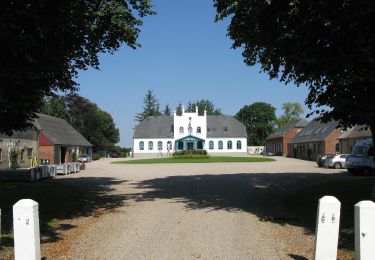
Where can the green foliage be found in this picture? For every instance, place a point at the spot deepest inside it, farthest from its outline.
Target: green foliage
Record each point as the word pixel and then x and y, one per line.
pixel 13 157
pixel 189 152
pixel 327 45
pixel 96 125
pixel 179 109
pixel 203 104
pixel 46 43
pixel 74 156
pixel 259 119
pixel 151 107
pixel 292 112
pixel 96 156
pixel 167 110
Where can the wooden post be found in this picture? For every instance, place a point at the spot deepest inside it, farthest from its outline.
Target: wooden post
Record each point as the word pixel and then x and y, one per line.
pixel 26 230
pixel 327 228
pixel 364 226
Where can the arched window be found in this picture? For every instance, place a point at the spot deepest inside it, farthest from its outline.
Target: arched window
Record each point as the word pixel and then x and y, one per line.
pixel 199 145
pixel 211 145
pixel 180 146
pixel 220 145
pixel 150 145
pixel 229 145
pixel 239 145
pixel 141 145
pixel 199 130
pixel 169 145
pixel 22 154
pixel 181 130
pixel 160 145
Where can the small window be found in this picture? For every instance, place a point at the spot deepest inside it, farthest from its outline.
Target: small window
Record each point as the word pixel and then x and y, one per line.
pixel 141 145
pixel 169 145
pixel 239 145
pixel 208 129
pixel 220 145
pixel 199 145
pixel 229 145
pixel 337 147
pixel 1 154
pixel 199 130
pixel 180 145
pixel 29 152
pixel 211 145
pixel 150 145
pixel 181 130
pixel 160 145
pixel 22 154
pixel 225 128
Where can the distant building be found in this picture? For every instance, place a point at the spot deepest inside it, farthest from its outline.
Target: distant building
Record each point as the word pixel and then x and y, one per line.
pixel 316 138
pixel 349 137
pixel 277 142
pixel 58 140
pixel 190 131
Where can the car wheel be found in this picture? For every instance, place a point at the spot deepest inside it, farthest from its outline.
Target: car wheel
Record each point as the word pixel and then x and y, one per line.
pixel 337 165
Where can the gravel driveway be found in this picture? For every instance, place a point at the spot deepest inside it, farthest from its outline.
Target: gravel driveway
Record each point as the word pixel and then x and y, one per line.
pixel 197 211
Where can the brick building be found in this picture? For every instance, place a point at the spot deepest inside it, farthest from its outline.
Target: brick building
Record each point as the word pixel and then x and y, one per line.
pixel 277 142
pixel 316 138
pixel 348 138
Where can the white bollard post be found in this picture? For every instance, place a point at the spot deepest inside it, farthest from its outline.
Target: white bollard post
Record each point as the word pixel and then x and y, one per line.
pixel 26 230
pixel 364 226
pixel 327 228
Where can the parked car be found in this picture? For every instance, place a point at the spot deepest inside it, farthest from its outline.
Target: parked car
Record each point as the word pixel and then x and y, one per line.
pixel 337 161
pixel 84 158
pixel 320 160
pixel 267 153
pixel 362 159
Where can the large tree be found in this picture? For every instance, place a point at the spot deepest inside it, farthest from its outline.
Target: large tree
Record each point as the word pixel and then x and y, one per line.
pixel 259 119
pixel 292 112
pixel 151 107
pixel 45 44
pixel 327 45
pixel 203 104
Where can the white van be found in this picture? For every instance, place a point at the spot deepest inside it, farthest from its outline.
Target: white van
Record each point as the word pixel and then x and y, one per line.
pixel 362 158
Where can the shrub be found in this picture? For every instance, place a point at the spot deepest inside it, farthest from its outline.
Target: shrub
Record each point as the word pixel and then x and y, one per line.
pixel 13 156
pixel 74 157
pixel 96 156
pixel 191 152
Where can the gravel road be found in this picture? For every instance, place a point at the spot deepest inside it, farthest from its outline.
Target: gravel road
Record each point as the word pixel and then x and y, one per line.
pixel 197 211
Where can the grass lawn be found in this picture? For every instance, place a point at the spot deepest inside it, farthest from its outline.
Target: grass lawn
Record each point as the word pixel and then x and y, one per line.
pixel 349 192
pixel 212 159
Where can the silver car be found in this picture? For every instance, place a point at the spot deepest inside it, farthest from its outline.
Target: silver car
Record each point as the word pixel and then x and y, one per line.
pixel 336 161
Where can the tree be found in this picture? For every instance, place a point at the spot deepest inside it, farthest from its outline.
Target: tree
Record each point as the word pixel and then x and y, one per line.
pixel 179 109
pixel 203 104
pixel 151 107
pixel 326 45
pixel 46 43
pixel 55 106
pixel 167 110
pixel 259 119
pixel 292 112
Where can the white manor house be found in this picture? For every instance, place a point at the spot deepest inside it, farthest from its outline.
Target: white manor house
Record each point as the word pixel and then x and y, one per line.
pixel 190 131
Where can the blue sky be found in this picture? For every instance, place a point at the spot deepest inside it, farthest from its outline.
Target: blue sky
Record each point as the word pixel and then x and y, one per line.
pixel 184 56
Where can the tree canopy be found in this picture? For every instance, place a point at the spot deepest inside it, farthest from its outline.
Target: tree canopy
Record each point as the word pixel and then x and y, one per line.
pixel 203 104
pixel 46 43
pixel 167 110
pixel 259 119
pixel 327 45
pixel 96 125
pixel 292 112
pixel 151 107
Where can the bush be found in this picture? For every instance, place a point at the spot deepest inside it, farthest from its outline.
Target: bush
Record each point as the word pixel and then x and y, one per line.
pixel 191 152
pixel 14 158
pixel 96 156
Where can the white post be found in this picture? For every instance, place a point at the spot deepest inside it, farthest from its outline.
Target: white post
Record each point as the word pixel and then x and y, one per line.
pixel 327 228
pixel 26 230
pixel 364 226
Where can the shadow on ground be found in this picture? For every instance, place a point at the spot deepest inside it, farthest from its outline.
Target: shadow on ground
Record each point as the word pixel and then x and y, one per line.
pixel 283 198
pixel 59 200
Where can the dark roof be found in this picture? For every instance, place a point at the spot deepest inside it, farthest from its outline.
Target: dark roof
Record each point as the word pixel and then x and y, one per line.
pixel 225 126
pixel 162 127
pixel 31 134
pixel 315 131
pixel 155 127
pixel 58 131
pixel 285 129
pixel 358 131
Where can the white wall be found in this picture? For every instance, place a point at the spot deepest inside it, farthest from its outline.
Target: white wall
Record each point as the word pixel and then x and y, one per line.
pixel 225 142
pixel 196 121
pixel 155 141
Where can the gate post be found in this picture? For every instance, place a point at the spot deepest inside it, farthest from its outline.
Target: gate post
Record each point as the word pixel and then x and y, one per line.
pixel 364 226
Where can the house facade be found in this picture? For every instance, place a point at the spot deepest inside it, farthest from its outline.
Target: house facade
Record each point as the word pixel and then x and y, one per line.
pixel 58 140
pixel 315 138
pixel 190 131
pixel 349 137
pixel 277 142
pixel 26 143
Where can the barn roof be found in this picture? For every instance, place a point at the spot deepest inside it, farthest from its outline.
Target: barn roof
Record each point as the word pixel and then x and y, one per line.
pixel 315 131
pixel 285 129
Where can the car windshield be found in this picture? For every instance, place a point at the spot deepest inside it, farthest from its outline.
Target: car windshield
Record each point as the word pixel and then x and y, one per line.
pixel 359 151
pixel 84 156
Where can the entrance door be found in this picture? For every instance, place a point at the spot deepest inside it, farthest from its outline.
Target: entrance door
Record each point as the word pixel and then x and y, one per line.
pixel 190 145
pixel 62 154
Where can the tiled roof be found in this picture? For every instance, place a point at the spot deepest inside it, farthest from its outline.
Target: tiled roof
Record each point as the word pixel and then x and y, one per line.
pixel 358 131
pixel 225 126
pixel 315 131
pixel 285 129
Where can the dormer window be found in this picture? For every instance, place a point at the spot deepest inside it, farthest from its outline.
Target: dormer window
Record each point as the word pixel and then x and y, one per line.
pixel 181 130
pixel 225 128
pixel 199 130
